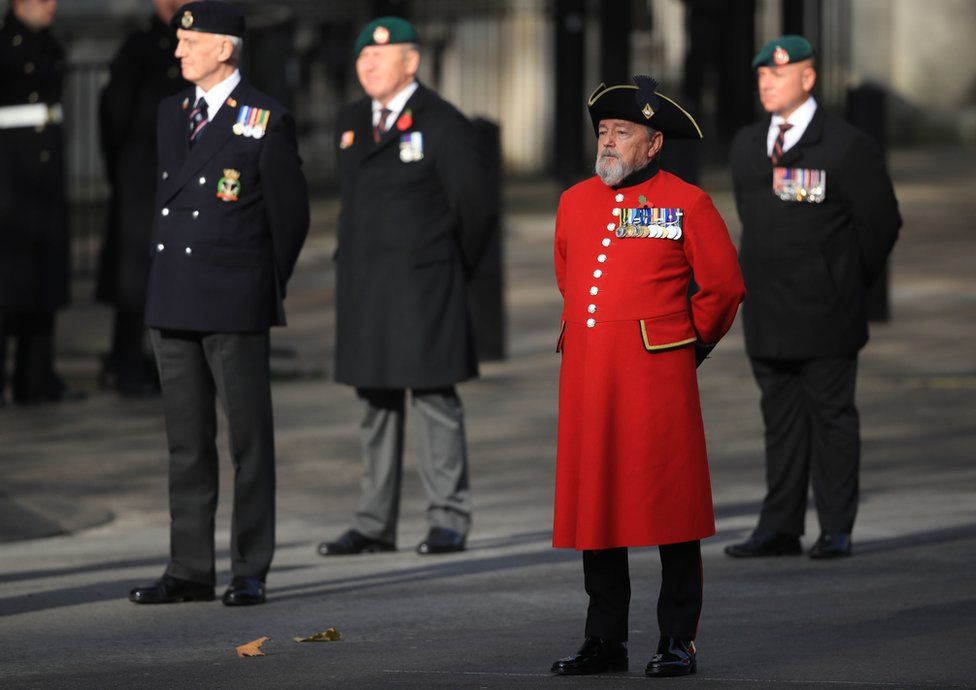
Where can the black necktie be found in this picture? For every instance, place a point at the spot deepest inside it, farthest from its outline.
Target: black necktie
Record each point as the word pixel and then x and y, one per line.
pixel 198 119
pixel 380 129
pixel 778 144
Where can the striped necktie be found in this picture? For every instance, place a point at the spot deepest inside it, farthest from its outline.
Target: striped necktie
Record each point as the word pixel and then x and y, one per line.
pixel 778 144
pixel 198 119
pixel 380 129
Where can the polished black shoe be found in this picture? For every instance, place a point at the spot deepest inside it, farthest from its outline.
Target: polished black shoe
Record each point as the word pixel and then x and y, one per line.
pixel 597 655
pixel 353 542
pixel 674 658
pixel 441 540
pixel 171 590
pixel 244 591
pixel 831 545
pixel 765 544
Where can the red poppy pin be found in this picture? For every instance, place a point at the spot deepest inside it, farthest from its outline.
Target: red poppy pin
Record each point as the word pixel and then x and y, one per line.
pixel 405 121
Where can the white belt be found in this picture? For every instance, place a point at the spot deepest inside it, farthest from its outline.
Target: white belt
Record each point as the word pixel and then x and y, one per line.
pixel 30 115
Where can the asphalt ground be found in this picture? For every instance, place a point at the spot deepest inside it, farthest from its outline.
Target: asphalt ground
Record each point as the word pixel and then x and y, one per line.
pixel 900 613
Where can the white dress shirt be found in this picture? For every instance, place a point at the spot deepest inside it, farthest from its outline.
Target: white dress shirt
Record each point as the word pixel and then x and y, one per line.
pixel 395 105
pixel 800 119
pixel 218 93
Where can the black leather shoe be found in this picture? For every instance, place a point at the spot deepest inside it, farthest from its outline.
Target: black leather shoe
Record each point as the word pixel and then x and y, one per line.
pixel 244 591
pixel 353 542
pixel 831 545
pixel 597 655
pixel 441 540
pixel 765 544
pixel 674 658
pixel 171 590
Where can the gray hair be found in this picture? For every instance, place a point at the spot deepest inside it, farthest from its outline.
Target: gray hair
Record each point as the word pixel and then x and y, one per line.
pixel 237 44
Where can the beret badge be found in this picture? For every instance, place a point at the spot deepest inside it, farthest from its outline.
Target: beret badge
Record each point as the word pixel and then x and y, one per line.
pixel 780 56
pixel 381 35
pixel 187 21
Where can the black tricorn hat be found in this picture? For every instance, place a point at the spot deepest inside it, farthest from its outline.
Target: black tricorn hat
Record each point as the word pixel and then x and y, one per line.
pixel 641 103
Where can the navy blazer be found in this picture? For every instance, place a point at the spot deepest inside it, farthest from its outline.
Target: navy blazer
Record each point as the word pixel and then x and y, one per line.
pixel 807 266
pixel 231 216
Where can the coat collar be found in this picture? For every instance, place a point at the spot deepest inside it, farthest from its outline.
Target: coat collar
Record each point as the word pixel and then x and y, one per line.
pixel 811 136
pixel 415 105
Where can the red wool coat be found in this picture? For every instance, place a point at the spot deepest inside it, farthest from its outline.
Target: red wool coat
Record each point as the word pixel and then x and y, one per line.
pixel 631 467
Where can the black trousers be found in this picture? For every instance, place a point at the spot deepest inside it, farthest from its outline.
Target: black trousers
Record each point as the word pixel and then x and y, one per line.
pixel 812 432
pixel 194 368
pixel 33 374
pixel 606 577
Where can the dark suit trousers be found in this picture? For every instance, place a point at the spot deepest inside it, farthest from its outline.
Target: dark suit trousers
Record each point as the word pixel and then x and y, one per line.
pixel 812 432
pixel 194 368
pixel 606 577
pixel 33 376
pixel 441 459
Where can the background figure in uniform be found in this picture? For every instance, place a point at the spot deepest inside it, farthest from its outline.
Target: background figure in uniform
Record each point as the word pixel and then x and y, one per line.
pixel 412 228
pixel 233 214
pixel 34 238
pixel 143 72
pixel 631 467
pixel 819 218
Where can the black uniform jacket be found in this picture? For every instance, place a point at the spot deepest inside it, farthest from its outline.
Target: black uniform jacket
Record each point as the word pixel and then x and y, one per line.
pixel 808 265
pixel 222 264
pixel 143 73
pixel 413 225
pixel 34 241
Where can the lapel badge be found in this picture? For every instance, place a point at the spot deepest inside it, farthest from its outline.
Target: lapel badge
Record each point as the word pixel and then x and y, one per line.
pixel 347 138
pixel 405 121
pixel 381 35
pixel 780 56
pixel 229 186
pixel 232 102
pixel 187 20
pixel 411 147
pixel 186 103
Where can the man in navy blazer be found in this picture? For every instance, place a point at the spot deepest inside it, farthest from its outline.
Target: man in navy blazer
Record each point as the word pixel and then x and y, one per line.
pixel 232 214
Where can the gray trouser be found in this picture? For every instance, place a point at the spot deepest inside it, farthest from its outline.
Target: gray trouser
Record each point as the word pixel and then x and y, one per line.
pixel 193 369
pixel 441 460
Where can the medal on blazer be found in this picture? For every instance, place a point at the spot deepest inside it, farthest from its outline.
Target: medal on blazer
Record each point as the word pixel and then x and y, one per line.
pixel 654 223
pixel 229 186
pixel 251 122
pixel 411 147
pixel 800 184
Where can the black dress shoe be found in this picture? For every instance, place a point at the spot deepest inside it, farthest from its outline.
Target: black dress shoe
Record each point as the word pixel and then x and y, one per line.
pixel 765 544
pixel 597 655
pixel 171 590
pixel 441 540
pixel 244 591
pixel 674 658
pixel 353 542
pixel 831 545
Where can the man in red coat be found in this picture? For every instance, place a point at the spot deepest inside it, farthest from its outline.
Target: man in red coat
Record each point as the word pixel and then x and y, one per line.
pixel 631 466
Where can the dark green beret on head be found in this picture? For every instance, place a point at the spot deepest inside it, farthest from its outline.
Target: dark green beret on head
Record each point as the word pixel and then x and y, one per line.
pixel 210 16
pixel 783 51
pixel 385 31
pixel 641 103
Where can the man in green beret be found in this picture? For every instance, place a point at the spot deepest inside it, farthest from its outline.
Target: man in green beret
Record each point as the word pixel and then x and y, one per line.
pixel 412 228
pixel 819 217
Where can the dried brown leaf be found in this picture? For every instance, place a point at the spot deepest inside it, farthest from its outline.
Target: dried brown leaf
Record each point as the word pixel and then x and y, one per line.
pixel 330 635
pixel 252 648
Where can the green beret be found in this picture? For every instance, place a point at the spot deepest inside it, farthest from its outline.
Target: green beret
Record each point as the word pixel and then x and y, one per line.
pixel 385 31
pixel 783 51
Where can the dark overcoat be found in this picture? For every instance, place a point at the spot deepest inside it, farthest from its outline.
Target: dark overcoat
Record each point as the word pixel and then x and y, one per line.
pixel 143 72
pixel 232 214
pixel 413 225
pixel 807 266
pixel 34 240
